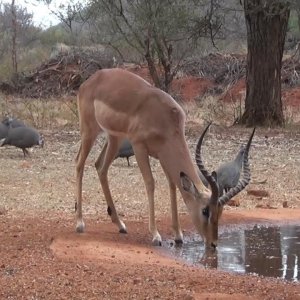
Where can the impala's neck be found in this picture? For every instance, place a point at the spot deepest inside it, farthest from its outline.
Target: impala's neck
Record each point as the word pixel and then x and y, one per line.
pixel 175 158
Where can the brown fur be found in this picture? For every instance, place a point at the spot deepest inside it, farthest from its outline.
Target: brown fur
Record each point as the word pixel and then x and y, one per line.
pixel 122 104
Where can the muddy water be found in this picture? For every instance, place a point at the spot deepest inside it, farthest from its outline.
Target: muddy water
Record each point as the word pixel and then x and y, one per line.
pixel 263 250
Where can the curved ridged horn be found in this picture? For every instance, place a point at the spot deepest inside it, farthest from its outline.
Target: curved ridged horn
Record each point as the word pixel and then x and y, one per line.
pixel 245 178
pixel 210 179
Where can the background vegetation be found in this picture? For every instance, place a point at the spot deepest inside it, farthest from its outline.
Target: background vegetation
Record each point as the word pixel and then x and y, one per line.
pixel 88 26
pixel 163 35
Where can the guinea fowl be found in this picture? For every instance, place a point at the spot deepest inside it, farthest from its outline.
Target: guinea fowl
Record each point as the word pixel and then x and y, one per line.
pixel 125 150
pixel 23 138
pixel 13 123
pixel 8 123
pixel 228 174
pixel 3 130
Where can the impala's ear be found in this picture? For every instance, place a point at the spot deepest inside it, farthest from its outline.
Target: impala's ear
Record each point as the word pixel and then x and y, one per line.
pixel 187 184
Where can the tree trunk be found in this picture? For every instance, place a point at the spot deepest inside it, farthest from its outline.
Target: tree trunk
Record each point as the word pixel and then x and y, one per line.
pixel 298 16
pixel 14 37
pixel 266 31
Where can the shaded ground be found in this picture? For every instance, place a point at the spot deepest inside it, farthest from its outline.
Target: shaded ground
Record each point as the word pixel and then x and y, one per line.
pixel 42 258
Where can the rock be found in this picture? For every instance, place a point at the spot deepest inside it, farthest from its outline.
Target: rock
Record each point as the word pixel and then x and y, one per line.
pixel 265 206
pixel 285 204
pixel 25 165
pixel 3 211
pixel 258 193
pixel 234 202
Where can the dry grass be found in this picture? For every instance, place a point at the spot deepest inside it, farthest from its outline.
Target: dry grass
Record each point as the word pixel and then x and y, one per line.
pixel 211 109
pixel 42 113
pixel 45 182
pixel 62 113
pixel 291 116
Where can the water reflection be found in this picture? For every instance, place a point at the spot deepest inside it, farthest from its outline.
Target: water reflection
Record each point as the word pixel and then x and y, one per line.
pixel 267 251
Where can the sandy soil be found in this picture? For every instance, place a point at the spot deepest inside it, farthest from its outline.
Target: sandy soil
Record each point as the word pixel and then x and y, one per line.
pixel 43 258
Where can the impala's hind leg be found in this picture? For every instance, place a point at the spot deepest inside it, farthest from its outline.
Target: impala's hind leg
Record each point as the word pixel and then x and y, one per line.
pixel 142 159
pixel 85 148
pixel 102 164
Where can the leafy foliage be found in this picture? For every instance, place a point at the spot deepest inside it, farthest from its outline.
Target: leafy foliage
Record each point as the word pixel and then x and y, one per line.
pixel 160 32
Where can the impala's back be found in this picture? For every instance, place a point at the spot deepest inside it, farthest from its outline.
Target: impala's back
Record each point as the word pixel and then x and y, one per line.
pixel 119 95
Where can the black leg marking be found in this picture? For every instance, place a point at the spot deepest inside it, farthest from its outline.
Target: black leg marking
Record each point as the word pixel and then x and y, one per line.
pixel 109 210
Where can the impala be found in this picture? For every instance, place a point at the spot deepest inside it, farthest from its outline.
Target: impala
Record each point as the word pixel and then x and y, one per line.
pixel 123 105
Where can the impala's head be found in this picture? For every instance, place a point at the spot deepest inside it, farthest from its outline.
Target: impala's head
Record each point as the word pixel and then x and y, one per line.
pixel 209 207
pixel 205 212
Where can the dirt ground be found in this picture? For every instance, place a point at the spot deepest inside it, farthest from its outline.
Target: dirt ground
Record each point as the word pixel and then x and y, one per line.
pixel 41 256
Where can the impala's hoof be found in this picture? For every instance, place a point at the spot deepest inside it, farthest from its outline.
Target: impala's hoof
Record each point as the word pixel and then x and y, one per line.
pixel 121 226
pixel 80 227
pixel 178 241
pixel 178 237
pixel 157 241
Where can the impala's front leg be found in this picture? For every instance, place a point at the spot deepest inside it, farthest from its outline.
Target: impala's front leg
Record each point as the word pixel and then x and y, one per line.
pixel 102 164
pixel 142 159
pixel 175 218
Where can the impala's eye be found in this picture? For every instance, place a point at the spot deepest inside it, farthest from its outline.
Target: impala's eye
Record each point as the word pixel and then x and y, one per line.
pixel 205 212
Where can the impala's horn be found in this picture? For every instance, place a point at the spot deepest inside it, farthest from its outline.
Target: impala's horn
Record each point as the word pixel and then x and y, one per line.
pixel 245 176
pixel 210 179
